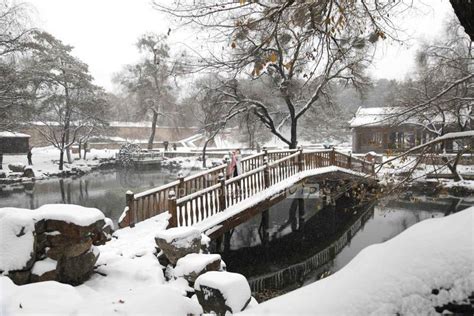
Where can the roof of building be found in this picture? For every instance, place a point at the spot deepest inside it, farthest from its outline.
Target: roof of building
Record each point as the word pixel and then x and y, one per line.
pixel 390 116
pixel 6 134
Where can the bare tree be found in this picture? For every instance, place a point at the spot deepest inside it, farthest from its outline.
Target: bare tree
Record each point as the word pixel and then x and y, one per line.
pixel 151 79
pixel 211 110
pixel 298 47
pixel 440 98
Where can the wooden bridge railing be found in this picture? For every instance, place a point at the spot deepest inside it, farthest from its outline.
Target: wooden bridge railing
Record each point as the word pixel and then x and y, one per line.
pixel 194 198
pixel 152 202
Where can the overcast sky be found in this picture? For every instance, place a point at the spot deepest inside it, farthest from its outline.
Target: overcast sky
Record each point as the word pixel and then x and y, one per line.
pixel 104 32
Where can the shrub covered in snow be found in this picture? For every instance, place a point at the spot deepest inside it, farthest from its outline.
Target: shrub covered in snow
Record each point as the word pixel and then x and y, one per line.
pixel 124 157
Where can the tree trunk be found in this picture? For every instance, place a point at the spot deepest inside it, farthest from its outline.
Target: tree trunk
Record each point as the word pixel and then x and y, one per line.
pixel 85 150
pixel 294 135
pixel 454 166
pixel 63 194
pixel 68 155
pixel 204 152
pixel 153 129
pixel 66 141
pixel 61 160
pixel 80 147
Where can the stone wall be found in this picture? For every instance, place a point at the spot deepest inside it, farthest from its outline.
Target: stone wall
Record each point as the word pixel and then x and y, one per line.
pixel 128 131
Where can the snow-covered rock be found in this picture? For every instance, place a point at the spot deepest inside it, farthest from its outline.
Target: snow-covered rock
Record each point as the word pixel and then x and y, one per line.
pixel 193 265
pixel 178 242
pixel 44 270
pixel 205 243
pixel 16 167
pixel 28 172
pixel 53 242
pixel 222 292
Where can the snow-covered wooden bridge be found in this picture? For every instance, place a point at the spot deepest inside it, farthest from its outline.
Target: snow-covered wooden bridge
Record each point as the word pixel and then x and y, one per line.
pixel 214 204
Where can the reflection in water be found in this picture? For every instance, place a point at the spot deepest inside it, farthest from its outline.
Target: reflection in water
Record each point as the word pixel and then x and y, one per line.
pixel 297 242
pixel 104 190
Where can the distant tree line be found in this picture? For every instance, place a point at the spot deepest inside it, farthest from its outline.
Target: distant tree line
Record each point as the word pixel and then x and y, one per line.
pixel 42 82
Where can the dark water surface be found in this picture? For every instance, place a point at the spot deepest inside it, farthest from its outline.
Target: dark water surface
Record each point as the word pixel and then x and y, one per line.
pixel 285 249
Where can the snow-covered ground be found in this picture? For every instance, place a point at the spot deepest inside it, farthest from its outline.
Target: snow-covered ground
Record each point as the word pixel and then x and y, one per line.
pixel 396 276
pixel 46 160
pixel 130 282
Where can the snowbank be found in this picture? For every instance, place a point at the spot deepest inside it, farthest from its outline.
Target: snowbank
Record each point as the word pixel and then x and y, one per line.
pixel 46 298
pixel 397 276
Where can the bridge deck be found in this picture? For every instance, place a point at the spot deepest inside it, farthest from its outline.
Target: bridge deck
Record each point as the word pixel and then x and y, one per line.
pixel 220 222
pixel 212 203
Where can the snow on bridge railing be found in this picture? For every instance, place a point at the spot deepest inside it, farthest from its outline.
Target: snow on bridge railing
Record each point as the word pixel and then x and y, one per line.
pixel 199 196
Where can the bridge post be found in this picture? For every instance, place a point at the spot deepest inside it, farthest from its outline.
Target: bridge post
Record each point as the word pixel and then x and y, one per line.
pixel 129 196
pixel 226 162
pixel 222 195
pixel 173 222
pixel 349 161
pixel 265 153
pixel 181 189
pixel 266 172
pixel 300 159
pixel 332 157
pixel 209 181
